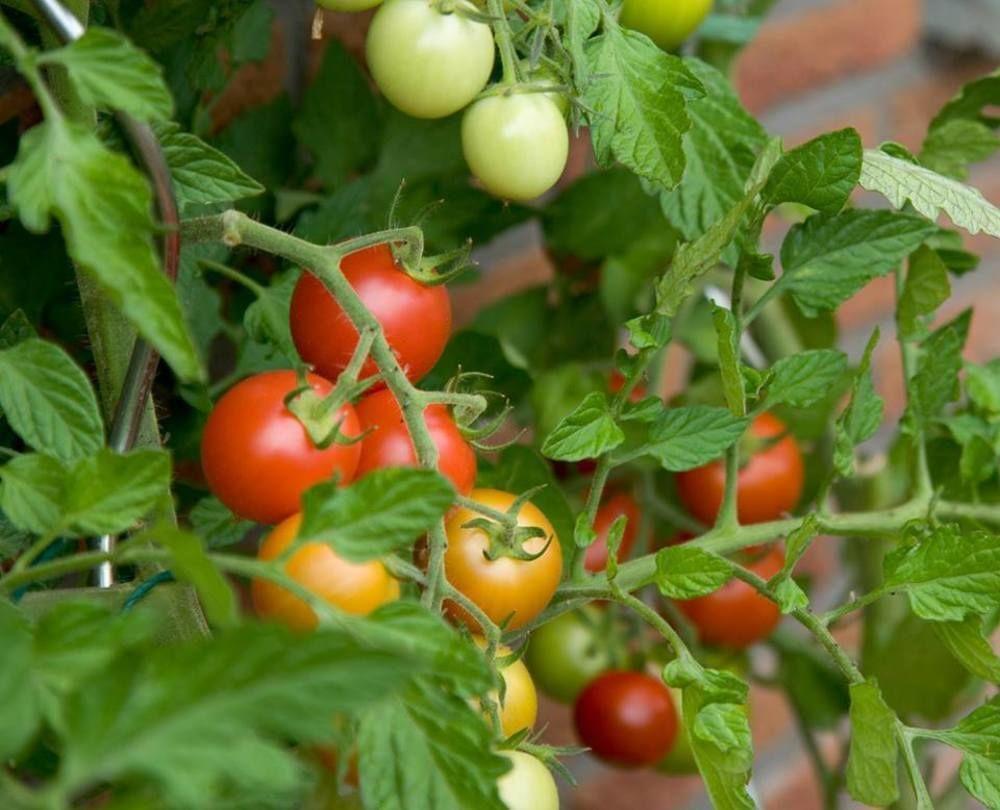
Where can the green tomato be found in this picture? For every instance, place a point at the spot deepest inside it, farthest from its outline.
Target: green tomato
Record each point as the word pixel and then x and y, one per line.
pixel 427 63
pixel 565 655
pixel 667 22
pixel 517 144
pixel 348 5
pixel 545 76
pixel 528 785
pixel 680 760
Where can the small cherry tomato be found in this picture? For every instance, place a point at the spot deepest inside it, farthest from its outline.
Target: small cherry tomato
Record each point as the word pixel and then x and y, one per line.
pixel 769 484
pixel 517 144
pixel 613 507
pixel 565 654
pixel 387 441
pixel 357 588
pixel 528 785
pixel 626 718
pixel 668 24
pixel 257 457
pixel 503 588
pixel 416 318
pixel 736 616
pixel 519 707
pixel 429 62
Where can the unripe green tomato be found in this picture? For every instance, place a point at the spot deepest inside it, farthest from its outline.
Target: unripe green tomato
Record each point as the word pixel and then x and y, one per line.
pixel 564 655
pixel 544 75
pixel 517 144
pixel 528 785
pixel 667 22
pixel 428 64
pixel 348 5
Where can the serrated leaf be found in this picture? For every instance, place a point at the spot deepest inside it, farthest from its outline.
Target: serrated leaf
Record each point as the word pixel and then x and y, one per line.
pixel 588 432
pixel 862 416
pixel 104 206
pixel 928 192
pixel 21 713
pixel 982 383
pixel 970 101
pixel 686 572
pixel 925 289
pixel 977 735
pixel 190 563
pixel 950 148
pixel 267 318
pixel 828 259
pixel 967 643
pixel 947 575
pixel 872 764
pixel 790 596
pixel 806 378
pixel 109 71
pixel 638 93
pixel 820 174
pixel 48 400
pixel 935 382
pixel 729 360
pixel 685 438
pixel 725 726
pixel 201 174
pixel 383 512
pixel 214 522
pixel 33 492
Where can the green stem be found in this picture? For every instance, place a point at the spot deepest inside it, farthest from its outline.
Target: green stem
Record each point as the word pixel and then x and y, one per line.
pixel 922 486
pixel 33 552
pixel 653 619
pixel 597 485
pixel 505 41
pixel 905 737
pixel 835 615
pixel 728 518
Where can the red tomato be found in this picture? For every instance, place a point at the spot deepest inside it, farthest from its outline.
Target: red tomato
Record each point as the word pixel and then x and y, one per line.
pixel 617 381
pixel 769 484
pixel 626 718
pixel 388 443
pixel 736 616
pixel 614 506
pixel 259 460
pixel 416 318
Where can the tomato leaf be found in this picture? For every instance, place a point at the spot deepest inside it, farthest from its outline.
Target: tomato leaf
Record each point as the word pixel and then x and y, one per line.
pixel 871 765
pixel 16 328
pixel 589 431
pixel 977 736
pixel 48 400
pixel 806 378
pixel 685 438
pixel 685 572
pixel 820 174
pixel 385 511
pixel 950 148
pixel 862 416
pixel 966 641
pixel 213 521
pixel 729 361
pixel 982 384
pixel 21 711
pixel 935 382
pixel 191 564
pixel 725 726
pixel 925 289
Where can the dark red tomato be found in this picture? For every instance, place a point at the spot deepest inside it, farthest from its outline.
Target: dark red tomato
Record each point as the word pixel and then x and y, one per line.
pixel 613 507
pixel 626 718
pixel 259 460
pixel 769 484
pixel 416 318
pixel 388 443
pixel 736 616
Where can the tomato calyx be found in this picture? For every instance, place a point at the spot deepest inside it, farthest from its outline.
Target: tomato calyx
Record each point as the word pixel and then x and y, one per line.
pixel 321 416
pixel 506 537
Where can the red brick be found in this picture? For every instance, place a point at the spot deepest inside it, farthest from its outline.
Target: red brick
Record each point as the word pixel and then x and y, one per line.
pixel 770 716
pixel 253 85
pixel 873 304
pixel 821 45
pixel 505 277
pixel 555 720
pixel 625 790
pixel 865 119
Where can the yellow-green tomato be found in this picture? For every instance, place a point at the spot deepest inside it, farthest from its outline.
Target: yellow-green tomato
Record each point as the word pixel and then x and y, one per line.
pixel 348 5
pixel 528 785
pixel 517 144
pixel 428 63
pixel 667 22
pixel 565 654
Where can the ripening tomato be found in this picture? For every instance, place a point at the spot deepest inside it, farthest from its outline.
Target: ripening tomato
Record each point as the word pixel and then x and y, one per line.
pixel 416 318
pixel 736 616
pixel 528 785
pixel 387 440
pixel 626 718
pixel 565 654
pixel 428 60
pixel 257 457
pixel 348 5
pixel 668 24
pixel 613 507
pixel 769 484
pixel 504 588
pixel 517 144
pixel 357 588
pixel 519 708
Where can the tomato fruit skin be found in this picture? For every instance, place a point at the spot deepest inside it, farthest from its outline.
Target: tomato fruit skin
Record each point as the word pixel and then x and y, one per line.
pixel 528 785
pixel 613 507
pixel 519 709
pixel 257 457
pixel 769 484
pixel 387 441
pixel 505 587
pixel 517 144
pixel 356 588
pixel 348 5
pixel 668 24
pixel 427 63
pixel 415 318
pixel 626 718
pixel 564 655
pixel 736 616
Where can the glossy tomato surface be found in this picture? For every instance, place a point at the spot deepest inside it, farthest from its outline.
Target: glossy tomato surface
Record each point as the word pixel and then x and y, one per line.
pixel 428 61
pixel 528 785
pixel 517 144
pixel 769 483
pixel 566 653
pixel 667 22
pixel 615 505
pixel 416 318
pixel 502 588
pixel 736 616
pixel 357 588
pixel 626 718
pixel 387 441
pixel 257 457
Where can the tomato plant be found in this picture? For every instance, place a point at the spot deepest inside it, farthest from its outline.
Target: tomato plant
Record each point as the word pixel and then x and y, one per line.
pixel 566 653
